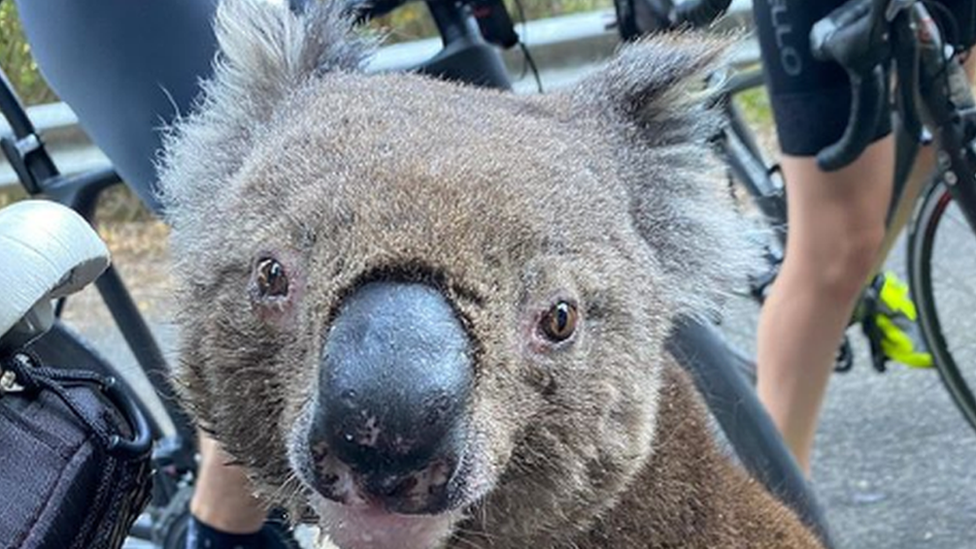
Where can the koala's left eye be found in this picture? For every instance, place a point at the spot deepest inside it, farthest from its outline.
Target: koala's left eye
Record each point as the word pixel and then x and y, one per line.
pixel 270 278
pixel 559 322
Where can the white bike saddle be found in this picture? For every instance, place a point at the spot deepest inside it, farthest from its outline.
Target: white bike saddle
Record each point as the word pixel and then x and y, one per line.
pixel 47 251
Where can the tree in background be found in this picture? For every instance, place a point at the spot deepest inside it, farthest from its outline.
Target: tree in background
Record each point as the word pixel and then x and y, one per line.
pixel 16 60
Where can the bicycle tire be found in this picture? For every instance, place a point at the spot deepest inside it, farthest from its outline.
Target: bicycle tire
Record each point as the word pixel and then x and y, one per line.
pixel 744 423
pixel 931 215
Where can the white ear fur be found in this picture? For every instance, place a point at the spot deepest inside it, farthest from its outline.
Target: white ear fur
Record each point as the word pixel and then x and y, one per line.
pixel 653 103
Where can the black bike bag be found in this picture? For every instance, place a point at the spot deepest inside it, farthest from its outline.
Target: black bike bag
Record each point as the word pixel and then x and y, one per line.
pixel 74 458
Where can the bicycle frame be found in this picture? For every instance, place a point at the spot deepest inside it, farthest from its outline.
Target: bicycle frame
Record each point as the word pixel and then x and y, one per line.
pixel 739 151
pixel 745 160
pixel 948 102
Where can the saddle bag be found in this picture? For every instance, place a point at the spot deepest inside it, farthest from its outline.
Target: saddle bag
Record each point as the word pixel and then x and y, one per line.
pixel 74 458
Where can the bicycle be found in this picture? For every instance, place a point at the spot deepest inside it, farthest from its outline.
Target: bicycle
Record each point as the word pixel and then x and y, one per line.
pixel 901 34
pixel 467 56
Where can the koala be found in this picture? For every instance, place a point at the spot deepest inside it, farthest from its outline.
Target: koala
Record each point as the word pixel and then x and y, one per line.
pixel 434 314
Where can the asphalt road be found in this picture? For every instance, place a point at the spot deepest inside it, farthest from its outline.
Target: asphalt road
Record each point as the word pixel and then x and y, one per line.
pixel 894 460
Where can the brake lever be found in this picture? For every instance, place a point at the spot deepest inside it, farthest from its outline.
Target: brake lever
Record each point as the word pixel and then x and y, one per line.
pixel 852 36
pixel 867 108
pixel 906 62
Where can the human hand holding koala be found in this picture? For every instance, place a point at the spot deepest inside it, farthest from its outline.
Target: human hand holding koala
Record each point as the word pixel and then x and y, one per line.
pixel 436 314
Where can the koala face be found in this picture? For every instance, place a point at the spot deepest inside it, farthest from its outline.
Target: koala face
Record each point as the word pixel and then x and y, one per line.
pixel 417 320
pixel 427 309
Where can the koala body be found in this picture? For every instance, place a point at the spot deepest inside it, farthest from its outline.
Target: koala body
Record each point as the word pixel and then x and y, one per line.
pixel 435 314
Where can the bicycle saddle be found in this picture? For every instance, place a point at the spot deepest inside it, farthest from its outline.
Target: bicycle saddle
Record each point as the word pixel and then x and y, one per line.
pixel 47 251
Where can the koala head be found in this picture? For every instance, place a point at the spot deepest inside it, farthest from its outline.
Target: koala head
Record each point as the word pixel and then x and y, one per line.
pixel 422 307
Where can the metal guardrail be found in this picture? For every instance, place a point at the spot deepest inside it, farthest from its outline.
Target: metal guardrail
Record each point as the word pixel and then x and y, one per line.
pixel 560 46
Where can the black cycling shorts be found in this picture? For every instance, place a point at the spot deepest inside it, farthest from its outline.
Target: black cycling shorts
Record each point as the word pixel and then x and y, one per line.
pixel 811 100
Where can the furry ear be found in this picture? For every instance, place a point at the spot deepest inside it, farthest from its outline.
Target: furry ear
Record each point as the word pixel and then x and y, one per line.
pixel 653 104
pixel 265 52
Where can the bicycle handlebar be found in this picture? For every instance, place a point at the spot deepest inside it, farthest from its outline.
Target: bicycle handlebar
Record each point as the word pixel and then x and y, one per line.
pixel 854 35
pixel 867 108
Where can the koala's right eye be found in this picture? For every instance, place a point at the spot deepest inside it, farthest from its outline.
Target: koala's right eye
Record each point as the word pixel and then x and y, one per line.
pixel 559 323
pixel 270 278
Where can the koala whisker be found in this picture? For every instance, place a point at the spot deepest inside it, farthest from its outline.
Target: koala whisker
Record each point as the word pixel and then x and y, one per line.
pixel 460 541
pixel 484 513
pixel 288 490
pixel 478 533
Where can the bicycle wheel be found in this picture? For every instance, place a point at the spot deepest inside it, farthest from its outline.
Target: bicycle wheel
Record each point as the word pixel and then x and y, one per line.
pixel 941 260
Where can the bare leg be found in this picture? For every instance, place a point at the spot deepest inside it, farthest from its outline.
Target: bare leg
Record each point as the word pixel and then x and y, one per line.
pixel 223 497
pixel 836 229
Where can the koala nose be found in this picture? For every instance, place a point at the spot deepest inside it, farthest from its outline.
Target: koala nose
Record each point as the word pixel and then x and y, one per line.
pixel 395 378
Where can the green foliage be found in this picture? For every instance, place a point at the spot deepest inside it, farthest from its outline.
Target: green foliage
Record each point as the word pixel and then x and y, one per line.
pixel 413 21
pixel 120 204
pixel 16 60
pixel 755 107
pixel 9 195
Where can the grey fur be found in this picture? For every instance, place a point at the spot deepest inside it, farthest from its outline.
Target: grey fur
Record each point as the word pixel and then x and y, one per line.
pixel 651 102
pixel 265 53
pixel 604 195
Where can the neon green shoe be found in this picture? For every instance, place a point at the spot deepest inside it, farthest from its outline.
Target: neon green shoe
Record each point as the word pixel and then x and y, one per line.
pixel 897 319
